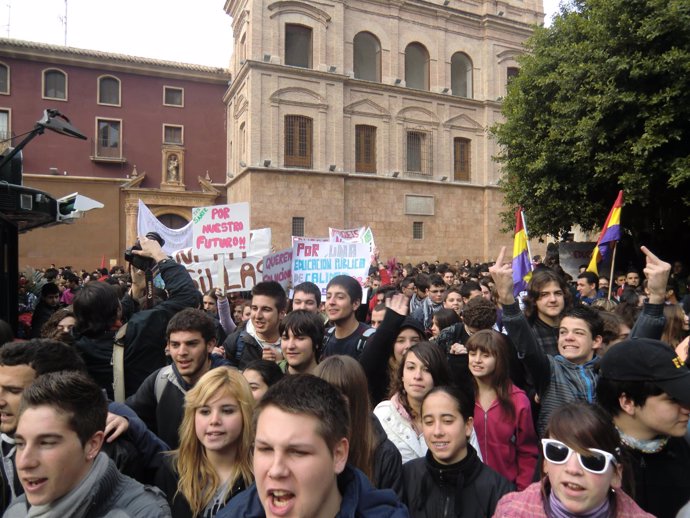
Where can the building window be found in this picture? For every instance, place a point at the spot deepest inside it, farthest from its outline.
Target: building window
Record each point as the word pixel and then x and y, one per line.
pixel 365 149
pixel 298 45
pixel 243 142
pixel 4 79
pixel 173 134
pixel 417 230
pixel 512 73
pixel 54 84
pixel 298 139
pixel 242 48
pixel 461 75
pixel 461 159
pixel 5 132
pixel 109 138
pixel 417 66
pixel 367 57
pixel 298 226
pixel 109 91
pixel 418 147
pixel 173 96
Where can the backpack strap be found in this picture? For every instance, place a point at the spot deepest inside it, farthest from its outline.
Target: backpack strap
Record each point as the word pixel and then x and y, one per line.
pixel 239 348
pixel 330 332
pixel 118 363
pixel 363 338
pixel 161 381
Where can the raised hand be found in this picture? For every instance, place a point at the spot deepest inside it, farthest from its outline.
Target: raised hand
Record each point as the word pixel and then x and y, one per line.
pixel 657 272
pixel 502 274
pixel 399 303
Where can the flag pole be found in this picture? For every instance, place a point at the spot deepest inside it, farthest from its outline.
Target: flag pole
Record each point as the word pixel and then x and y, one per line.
pixel 613 262
pixel 529 250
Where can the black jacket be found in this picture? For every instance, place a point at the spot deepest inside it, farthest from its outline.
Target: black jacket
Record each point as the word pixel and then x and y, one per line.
pixel 41 315
pixel 662 479
pixel 159 402
pixel 145 338
pixel 467 489
pixel 387 462
pixel 166 480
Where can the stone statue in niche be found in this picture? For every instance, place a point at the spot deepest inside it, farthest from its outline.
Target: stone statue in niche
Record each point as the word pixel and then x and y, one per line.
pixel 173 169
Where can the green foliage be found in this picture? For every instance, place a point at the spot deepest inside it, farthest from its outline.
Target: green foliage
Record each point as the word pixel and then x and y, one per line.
pixel 602 103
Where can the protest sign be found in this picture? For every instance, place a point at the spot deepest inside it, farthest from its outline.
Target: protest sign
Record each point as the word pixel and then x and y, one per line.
pixel 318 262
pixel 278 267
pixel 353 235
pixel 571 255
pixel 230 272
pixel 221 229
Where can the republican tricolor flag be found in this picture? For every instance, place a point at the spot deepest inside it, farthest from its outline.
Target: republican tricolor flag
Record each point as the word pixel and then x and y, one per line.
pixel 522 261
pixel 610 233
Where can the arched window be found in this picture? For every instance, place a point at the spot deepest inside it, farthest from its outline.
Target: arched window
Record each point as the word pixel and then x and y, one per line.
pixel 243 143
pixel 54 84
pixel 367 57
pixel 4 79
pixel 109 90
pixel 461 75
pixel 417 66
pixel 298 45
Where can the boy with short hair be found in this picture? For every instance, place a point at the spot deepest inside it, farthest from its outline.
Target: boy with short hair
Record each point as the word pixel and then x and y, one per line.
pixel 347 336
pixel 261 337
pixel 307 295
pixel 67 411
pixel 159 401
pixel 431 304
pixel 301 445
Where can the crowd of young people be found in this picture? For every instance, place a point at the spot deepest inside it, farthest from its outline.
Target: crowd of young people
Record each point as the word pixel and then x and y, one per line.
pixel 457 400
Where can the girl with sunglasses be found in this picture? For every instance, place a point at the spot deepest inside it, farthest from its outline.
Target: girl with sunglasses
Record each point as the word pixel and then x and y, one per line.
pixel 582 474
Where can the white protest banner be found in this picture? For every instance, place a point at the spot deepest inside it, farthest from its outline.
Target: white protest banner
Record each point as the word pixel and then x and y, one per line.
pixel 353 235
pixel 571 255
pixel 231 272
pixel 278 267
pixel 350 235
pixel 368 238
pixel 319 262
pixel 221 229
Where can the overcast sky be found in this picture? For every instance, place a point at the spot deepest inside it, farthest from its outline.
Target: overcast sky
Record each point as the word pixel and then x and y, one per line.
pixel 196 31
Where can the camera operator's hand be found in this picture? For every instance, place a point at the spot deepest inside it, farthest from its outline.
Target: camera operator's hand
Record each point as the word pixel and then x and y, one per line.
pixel 150 248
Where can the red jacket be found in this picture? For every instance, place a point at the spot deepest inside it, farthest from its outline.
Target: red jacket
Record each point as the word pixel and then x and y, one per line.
pixel 509 446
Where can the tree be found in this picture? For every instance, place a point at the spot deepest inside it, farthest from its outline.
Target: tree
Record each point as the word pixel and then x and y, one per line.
pixel 601 103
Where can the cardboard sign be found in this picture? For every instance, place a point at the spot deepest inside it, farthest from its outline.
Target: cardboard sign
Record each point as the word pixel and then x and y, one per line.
pixel 230 272
pixel 221 229
pixel 278 267
pixel 318 262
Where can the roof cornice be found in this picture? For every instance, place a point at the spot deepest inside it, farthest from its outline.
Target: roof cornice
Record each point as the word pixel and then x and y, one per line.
pixel 87 58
